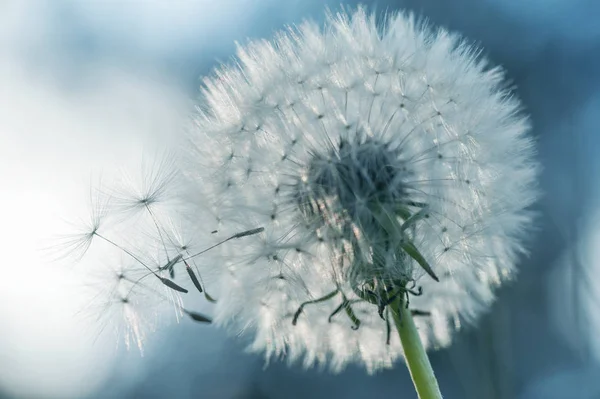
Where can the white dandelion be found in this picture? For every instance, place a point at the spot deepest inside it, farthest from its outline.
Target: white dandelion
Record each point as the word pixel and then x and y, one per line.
pixel 390 169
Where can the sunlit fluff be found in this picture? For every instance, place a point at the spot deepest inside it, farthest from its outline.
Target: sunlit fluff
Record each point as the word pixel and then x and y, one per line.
pixel 351 144
pixel 145 254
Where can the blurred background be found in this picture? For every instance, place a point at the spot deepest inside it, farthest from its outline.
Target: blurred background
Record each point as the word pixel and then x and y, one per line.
pixel 86 84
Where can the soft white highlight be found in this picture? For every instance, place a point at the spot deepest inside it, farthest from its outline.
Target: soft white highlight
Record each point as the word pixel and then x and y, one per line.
pixel 330 138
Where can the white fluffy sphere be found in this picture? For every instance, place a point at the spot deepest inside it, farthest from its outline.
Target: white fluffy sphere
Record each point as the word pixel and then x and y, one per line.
pixel 353 144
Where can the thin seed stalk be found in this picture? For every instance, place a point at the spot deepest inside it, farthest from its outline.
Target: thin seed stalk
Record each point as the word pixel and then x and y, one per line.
pixel 414 353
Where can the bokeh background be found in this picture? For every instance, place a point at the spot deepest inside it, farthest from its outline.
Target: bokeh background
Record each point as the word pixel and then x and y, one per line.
pixel 85 84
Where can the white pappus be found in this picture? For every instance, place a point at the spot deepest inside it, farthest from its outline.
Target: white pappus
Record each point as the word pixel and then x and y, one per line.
pixel 381 160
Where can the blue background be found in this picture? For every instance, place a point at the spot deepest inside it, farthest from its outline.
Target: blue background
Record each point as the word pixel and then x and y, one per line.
pixel 538 341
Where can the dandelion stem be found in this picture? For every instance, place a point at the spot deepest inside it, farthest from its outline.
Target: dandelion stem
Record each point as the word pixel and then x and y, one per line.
pixel 414 353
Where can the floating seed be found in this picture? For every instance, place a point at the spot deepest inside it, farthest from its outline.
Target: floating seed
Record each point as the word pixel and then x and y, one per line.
pixel 416 312
pixel 172 285
pixel 248 232
pixel 199 317
pixel 193 277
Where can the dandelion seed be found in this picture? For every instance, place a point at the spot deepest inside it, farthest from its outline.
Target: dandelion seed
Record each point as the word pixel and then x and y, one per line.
pixel 183 243
pixel 172 285
pixel 377 159
pixel 130 308
pixel 163 280
pixel 193 277
pixel 79 244
pixel 134 290
pixel 76 245
pixel 156 184
pixel 155 187
pixel 416 312
pixel 127 313
pixel 237 235
pixel 170 265
pixel 199 317
pixel 248 233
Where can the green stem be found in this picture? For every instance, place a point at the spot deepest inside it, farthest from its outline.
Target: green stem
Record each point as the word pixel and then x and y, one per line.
pixel 414 353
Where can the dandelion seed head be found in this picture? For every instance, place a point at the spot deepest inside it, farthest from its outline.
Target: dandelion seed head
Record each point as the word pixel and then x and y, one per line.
pixel 374 157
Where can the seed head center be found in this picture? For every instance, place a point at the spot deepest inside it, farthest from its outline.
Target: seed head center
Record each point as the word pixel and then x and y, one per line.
pixel 348 184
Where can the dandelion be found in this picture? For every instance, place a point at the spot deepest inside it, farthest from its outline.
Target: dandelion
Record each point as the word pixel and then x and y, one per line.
pixel 391 171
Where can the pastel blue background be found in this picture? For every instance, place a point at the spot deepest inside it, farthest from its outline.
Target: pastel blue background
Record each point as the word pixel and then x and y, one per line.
pixel 85 82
